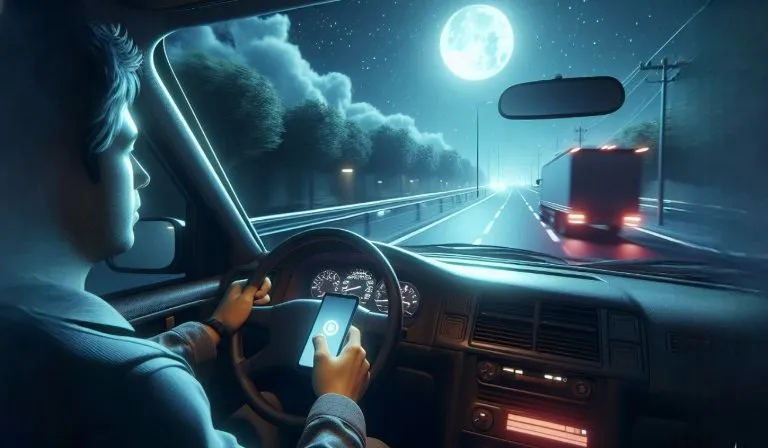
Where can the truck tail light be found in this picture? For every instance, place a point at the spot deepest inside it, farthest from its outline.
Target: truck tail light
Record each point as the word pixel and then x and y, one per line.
pixel 577 218
pixel 632 220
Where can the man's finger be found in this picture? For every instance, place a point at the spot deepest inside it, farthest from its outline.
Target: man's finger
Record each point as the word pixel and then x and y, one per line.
pixel 266 285
pixel 321 347
pixel 249 293
pixel 353 337
pixel 262 300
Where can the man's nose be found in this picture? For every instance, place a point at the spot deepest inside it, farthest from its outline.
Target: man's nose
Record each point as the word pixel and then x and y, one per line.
pixel 140 175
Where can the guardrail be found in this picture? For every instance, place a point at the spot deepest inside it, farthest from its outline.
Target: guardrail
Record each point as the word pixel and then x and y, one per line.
pixel 690 207
pixel 380 219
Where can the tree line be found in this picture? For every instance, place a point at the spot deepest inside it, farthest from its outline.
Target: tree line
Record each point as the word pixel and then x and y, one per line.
pixel 244 119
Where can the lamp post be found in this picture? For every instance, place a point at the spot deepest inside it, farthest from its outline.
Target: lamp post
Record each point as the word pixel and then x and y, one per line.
pixel 477 144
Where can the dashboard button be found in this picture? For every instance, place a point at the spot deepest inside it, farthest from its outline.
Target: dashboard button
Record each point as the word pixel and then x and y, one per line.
pixel 488 371
pixel 581 389
pixel 482 419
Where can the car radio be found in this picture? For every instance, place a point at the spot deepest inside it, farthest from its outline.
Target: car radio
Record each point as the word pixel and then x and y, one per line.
pixel 539 381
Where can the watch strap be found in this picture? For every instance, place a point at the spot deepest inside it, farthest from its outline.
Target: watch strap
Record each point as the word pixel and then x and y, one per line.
pixel 218 327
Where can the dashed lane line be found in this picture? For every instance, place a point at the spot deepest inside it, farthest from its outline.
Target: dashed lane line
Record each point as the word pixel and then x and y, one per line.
pixel 440 221
pixel 552 235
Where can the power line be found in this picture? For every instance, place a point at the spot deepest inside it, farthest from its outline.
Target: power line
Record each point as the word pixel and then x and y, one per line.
pixel 634 117
pixel 604 117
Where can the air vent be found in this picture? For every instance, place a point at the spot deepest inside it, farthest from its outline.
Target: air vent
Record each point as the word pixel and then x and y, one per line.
pixel 569 330
pixel 508 324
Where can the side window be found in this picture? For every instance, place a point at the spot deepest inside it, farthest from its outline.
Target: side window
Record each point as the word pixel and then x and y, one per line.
pixel 161 198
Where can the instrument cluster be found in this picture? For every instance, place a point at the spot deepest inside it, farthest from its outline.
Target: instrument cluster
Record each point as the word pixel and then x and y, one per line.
pixel 364 285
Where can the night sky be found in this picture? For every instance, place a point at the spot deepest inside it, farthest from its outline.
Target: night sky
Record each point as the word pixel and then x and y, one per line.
pixel 389 51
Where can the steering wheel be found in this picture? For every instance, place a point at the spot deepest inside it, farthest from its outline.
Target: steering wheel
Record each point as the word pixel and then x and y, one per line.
pixel 289 323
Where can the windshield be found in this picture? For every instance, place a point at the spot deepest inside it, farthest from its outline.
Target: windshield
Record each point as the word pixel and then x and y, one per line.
pixel 381 117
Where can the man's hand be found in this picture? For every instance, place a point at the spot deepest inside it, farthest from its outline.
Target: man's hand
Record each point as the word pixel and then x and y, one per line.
pixel 233 311
pixel 347 375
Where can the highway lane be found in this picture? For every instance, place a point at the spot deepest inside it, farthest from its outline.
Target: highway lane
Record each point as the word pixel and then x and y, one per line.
pixel 511 219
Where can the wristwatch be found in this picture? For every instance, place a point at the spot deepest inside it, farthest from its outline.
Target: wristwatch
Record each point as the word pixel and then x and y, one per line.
pixel 218 327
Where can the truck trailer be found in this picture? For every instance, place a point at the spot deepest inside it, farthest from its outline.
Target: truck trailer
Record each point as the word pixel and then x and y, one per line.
pixel 592 187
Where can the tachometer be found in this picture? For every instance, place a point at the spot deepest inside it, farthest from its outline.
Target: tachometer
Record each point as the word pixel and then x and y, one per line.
pixel 411 298
pixel 325 282
pixel 359 283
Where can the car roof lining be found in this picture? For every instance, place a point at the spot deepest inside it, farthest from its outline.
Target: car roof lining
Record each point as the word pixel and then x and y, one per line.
pixel 150 20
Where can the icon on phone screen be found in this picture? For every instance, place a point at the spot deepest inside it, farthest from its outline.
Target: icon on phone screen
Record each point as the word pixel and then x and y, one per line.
pixel 332 321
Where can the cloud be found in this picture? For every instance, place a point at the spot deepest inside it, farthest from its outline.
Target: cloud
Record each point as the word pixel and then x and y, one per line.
pixel 263 44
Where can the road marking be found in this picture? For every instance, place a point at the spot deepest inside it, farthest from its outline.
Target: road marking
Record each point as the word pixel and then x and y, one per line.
pixel 488 227
pixel 538 216
pixel 477 241
pixel 542 224
pixel 496 216
pixel 553 236
pixel 532 191
pixel 440 221
pixel 675 240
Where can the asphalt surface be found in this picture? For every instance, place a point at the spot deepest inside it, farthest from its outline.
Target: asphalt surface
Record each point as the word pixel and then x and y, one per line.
pixel 511 219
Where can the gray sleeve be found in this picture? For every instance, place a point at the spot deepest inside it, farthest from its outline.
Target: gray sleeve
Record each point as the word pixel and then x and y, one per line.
pixel 168 407
pixel 190 341
pixel 334 421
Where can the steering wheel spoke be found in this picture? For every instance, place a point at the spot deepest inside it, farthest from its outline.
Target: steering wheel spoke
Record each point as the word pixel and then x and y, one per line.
pixel 260 316
pixel 369 322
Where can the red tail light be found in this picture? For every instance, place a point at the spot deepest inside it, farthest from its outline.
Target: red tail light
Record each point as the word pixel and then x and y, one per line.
pixel 632 220
pixel 577 218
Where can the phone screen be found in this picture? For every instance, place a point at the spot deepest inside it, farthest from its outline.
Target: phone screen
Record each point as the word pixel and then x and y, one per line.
pixel 333 321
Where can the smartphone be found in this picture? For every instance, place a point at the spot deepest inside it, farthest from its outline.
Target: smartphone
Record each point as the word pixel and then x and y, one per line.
pixel 333 321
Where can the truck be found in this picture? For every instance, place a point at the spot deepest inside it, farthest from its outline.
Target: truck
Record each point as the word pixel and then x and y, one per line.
pixel 599 187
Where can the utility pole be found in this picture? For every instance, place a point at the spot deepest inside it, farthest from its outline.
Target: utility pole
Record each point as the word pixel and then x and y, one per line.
pixel 664 67
pixel 581 131
pixel 477 148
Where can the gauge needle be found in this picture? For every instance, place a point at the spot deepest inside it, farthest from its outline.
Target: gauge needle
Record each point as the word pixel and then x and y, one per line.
pixel 351 289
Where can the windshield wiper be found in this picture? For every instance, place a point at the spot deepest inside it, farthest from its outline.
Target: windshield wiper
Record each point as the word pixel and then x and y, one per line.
pixel 686 270
pixel 483 250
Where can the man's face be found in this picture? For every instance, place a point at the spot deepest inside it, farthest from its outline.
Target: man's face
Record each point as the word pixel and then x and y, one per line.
pixel 103 222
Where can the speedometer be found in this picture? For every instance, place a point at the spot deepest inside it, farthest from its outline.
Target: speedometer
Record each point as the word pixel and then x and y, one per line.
pixel 411 298
pixel 359 283
pixel 327 281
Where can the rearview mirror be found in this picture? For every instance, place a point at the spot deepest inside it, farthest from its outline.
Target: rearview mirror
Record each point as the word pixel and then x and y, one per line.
pixel 562 98
pixel 155 248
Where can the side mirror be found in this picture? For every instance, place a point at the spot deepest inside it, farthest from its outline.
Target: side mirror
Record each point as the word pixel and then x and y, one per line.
pixel 538 182
pixel 562 98
pixel 155 249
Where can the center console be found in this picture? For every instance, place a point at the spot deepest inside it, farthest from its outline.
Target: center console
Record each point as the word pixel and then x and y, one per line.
pixel 519 404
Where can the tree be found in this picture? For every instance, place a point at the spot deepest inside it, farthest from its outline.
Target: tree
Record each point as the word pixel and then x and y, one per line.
pixel 239 109
pixel 355 147
pixel 644 134
pixel 311 142
pixel 448 166
pixel 391 151
pixel 424 164
pixel 467 172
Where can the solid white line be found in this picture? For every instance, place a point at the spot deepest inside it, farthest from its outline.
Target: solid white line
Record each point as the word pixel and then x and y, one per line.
pixel 675 240
pixel 488 227
pixel 553 236
pixel 496 216
pixel 477 241
pixel 440 221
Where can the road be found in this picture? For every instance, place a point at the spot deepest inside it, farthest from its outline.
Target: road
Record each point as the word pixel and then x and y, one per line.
pixel 511 219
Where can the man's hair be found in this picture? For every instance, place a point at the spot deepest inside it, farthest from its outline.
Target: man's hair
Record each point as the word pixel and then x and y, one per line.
pixel 86 72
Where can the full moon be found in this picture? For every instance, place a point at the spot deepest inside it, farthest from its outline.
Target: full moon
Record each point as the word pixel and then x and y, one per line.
pixel 477 42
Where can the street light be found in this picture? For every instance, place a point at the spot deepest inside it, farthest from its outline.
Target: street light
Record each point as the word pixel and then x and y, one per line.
pixel 347 170
pixel 477 143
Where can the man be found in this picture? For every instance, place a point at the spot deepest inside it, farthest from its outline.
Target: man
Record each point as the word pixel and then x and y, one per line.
pixel 72 372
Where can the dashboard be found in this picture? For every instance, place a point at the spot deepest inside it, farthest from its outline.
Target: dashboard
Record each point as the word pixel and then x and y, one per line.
pixel 543 356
